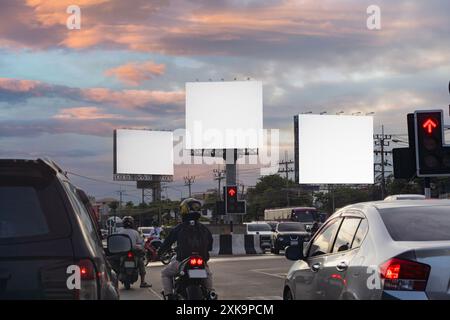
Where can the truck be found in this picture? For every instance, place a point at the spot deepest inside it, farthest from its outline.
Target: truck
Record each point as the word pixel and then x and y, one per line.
pixel 306 215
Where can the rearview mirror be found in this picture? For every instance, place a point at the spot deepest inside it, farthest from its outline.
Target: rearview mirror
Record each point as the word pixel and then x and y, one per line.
pixel 294 253
pixel 118 243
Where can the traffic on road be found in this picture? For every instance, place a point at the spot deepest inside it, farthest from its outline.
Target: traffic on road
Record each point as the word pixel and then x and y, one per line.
pixel 267 158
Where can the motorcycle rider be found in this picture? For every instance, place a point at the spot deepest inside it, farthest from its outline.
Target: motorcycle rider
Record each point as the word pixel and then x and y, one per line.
pixel 156 232
pixel 190 213
pixel 138 246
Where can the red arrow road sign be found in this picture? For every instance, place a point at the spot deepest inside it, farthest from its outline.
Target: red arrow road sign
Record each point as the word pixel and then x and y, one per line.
pixel 232 192
pixel 429 125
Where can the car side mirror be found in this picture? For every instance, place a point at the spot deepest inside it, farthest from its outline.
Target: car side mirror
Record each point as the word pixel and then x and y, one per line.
pixel 118 243
pixel 294 253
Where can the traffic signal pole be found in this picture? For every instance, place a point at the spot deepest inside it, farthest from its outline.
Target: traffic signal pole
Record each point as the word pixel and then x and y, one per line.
pixel 230 168
pixel 427 188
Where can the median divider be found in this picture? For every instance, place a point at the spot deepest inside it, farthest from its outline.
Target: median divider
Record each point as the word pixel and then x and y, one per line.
pixel 235 244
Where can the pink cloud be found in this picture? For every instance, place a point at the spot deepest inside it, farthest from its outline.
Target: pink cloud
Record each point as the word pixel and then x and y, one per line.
pixel 134 73
pixel 85 113
pixel 132 99
pixel 16 85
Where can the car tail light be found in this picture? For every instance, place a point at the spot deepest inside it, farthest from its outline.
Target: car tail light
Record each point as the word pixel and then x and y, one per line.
pixel 196 262
pixel 88 283
pixel 130 255
pixel 407 275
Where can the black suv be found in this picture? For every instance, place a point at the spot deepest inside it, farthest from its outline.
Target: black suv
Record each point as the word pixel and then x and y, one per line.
pixel 46 233
pixel 288 234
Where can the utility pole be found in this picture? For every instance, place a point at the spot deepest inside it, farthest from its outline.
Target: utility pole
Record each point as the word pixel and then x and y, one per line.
pixel 219 175
pixel 382 140
pixel 188 181
pixel 286 170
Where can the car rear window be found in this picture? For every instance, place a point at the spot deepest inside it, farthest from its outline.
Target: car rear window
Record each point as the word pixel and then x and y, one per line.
pixel 290 227
pixel 417 223
pixel 253 227
pixel 31 208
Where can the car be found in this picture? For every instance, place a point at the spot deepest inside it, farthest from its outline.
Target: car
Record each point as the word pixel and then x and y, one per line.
pixel 263 230
pixel 46 234
pixel 405 197
pixel 145 231
pixel 375 250
pixel 288 233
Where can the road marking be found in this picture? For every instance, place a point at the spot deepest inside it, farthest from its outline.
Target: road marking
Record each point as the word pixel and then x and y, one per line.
pixel 155 293
pixel 280 275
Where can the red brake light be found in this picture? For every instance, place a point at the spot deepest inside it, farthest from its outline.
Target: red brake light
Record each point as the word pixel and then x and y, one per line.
pixel 130 255
pixel 196 261
pixel 87 270
pixel 401 274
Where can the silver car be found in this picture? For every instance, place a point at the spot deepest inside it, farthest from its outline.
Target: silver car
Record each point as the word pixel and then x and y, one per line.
pixel 376 250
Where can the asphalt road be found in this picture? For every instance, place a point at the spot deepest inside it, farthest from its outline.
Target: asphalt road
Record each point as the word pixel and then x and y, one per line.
pixel 258 277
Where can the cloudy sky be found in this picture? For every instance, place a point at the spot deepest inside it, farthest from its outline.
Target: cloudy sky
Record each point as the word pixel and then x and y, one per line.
pixel 62 92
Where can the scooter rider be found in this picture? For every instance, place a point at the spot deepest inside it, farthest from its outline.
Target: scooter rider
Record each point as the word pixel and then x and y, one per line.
pixel 186 246
pixel 138 246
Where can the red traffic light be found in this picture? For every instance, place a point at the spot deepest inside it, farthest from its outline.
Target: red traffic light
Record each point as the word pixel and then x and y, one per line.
pixel 232 191
pixel 429 125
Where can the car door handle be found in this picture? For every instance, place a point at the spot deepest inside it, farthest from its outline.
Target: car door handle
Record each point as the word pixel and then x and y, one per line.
pixel 315 267
pixel 341 266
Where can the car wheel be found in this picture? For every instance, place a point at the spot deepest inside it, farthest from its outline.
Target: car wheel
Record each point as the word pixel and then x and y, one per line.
pixel 287 294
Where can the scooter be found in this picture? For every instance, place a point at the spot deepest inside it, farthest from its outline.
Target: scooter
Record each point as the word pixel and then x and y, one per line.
pixel 151 246
pixel 128 272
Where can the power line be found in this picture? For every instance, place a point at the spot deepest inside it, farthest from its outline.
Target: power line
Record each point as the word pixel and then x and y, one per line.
pixel 382 140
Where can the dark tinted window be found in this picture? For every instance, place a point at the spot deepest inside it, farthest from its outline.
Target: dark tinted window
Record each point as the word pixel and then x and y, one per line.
pixel 21 214
pixel 322 241
pixel 417 223
pixel 31 209
pixel 360 233
pixel 252 227
pixel 346 234
pixel 304 216
pixel 286 227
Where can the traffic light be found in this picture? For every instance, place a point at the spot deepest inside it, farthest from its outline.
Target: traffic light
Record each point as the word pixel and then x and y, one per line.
pixel 432 156
pixel 231 199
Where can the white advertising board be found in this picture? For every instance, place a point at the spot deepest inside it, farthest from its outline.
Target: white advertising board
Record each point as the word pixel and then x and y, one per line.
pixel 335 149
pixel 224 115
pixel 143 152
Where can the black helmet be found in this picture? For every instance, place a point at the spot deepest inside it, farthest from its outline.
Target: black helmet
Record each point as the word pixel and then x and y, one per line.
pixel 128 222
pixel 190 209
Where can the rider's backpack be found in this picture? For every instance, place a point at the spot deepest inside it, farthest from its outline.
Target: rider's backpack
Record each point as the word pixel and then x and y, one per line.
pixel 192 239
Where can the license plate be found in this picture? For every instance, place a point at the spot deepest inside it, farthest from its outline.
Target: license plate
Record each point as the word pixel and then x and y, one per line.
pixel 129 264
pixel 198 274
pixel 294 242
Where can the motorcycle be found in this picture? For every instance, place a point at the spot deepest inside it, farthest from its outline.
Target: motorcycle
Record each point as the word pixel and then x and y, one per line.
pixel 151 246
pixel 128 272
pixel 189 282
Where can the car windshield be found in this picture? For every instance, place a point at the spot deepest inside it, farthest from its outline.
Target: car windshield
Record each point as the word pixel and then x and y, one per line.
pixel 303 216
pixel 417 223
pixel 252 227
pixel 290 227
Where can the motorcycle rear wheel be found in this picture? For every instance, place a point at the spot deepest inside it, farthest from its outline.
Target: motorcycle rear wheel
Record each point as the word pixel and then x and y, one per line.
pixel 194 293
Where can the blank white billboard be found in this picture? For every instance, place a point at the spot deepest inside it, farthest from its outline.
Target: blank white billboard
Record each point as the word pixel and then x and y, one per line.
pixel 225 114
pixel 335 149
pixel 144 152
